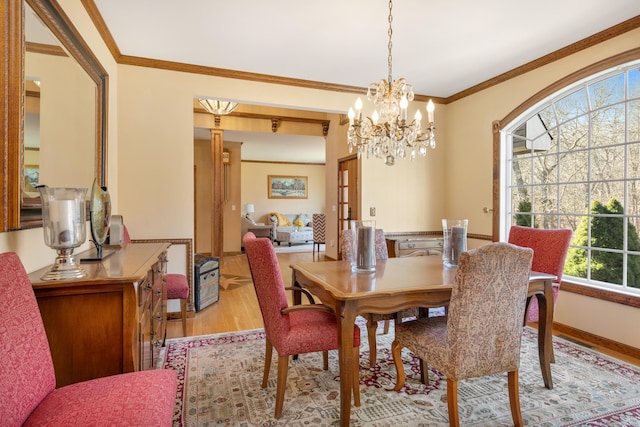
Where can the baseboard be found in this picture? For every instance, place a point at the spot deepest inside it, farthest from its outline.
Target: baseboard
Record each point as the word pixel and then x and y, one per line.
pixel 625 349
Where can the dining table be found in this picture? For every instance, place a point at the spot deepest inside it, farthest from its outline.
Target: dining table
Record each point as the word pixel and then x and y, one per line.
pixel 397 284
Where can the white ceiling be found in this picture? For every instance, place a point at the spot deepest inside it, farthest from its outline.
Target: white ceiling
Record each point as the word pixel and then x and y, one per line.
pixel 440 47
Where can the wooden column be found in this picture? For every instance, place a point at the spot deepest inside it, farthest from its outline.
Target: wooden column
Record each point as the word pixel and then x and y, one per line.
pixel 217 189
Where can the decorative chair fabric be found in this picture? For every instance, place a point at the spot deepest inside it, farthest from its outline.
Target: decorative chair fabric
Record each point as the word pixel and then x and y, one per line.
pixel 550 247
pixel 297 332
pixel 482 333
pixel 319 230
pixel 303 329
pixel 28 394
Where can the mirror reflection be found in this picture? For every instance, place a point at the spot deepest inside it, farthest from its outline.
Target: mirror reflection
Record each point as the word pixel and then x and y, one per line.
pixel 60 114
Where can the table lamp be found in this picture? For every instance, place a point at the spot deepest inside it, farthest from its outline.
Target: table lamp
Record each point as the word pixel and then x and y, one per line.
pixel 250 209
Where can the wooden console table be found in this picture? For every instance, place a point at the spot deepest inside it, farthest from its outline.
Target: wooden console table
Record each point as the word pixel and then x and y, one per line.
pixel 110 322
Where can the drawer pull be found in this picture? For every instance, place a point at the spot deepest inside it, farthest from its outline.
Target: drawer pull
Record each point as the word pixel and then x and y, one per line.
pixel 158 292
pixel 159 317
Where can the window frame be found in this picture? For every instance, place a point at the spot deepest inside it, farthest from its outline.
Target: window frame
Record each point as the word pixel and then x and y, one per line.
pixel 542 98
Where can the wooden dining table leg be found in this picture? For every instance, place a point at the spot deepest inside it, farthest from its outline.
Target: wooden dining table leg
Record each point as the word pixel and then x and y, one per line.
pixel 545 332
pixel 345 359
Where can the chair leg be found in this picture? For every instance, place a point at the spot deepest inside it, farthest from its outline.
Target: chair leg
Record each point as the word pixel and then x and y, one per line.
pixel 452 402
pixel 396 351
pixel 283 367
pixel 514 399
pixel 386 326
pixel 183 312
pixel 356 376
pixel 372 327
pixel 325 360
pixel 424 372
pixel 267 363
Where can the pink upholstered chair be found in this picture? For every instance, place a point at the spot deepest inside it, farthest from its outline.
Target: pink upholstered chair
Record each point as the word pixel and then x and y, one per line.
pixel 177 288
pixel 550 247
pixel 291 330
pixel 28 395
pixel 482 332
pixel 346 242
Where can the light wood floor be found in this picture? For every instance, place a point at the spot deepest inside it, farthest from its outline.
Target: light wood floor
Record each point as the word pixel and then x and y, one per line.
pixel 238 310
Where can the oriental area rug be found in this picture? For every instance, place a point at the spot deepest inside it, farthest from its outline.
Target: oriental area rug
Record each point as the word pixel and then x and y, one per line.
pixel 219 383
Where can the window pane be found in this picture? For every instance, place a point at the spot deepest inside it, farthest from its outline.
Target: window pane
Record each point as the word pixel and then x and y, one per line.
pixel 633 121
pixel 574 134
pixel 606 267
pixel 633 195
pixel 572 105
pixel 520 199
pixel 634 83
pixel 574 199
pixel 545 199
pixel 633 160
pixel 607 126
pixel 548 117
pixel 573 166
pixel 521 172
pixel 609 194
pixel 545 169
pixel 633 271
pixel 607 163
pixel 606 92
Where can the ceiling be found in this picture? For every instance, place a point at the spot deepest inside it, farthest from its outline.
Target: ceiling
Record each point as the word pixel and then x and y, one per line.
pixel 440 47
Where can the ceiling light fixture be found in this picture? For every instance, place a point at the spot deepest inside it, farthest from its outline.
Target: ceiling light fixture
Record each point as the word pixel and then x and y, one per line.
pixel 217 107
pixel 387 134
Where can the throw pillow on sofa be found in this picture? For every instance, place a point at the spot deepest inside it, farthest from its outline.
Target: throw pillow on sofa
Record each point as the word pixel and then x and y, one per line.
pixel 281 220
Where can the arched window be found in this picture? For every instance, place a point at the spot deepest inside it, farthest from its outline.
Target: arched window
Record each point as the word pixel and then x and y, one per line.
pixel 572 160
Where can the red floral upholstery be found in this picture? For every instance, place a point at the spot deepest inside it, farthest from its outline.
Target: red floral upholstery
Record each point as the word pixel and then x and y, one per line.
pixel 28 395
pixel 481 334
pixel 550 247
pixel 291 332
pixel 177 286
pixel 346 242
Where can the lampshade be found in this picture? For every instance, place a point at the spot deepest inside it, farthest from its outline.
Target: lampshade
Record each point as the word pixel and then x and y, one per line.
pixel 217 107
pixel 250 208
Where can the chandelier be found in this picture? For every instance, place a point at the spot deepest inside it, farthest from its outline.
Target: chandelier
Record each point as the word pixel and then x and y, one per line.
pixel 387 134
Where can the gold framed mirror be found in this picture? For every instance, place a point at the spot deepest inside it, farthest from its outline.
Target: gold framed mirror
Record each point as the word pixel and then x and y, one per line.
pixel 67 103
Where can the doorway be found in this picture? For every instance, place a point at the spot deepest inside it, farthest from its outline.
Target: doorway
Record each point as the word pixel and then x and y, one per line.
pixel 348 194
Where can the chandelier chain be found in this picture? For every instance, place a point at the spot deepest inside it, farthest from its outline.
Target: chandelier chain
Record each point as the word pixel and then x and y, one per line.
pixel 390 45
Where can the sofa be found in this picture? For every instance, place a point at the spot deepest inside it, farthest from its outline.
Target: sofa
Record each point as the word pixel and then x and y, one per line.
pixel 258 228
pixel 285 229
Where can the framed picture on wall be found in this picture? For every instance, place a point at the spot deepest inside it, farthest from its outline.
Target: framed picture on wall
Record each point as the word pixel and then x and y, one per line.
pixel 287 187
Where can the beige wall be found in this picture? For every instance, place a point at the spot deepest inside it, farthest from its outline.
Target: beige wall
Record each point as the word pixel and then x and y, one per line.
pixel 151 159
pixel 254 189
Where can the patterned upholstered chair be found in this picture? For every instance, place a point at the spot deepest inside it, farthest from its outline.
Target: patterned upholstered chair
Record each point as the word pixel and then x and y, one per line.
pixel 291 330
pixel 319 223
pixel 482 332
pixel 550 247
pixel 28 395
pixel 346 242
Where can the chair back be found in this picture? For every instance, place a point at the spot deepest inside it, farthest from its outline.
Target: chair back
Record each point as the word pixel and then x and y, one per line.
pixel 269 286
pixel 488 299
pixel 346 243
pixel 26 372
pixel 319 227
pixel 550 247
